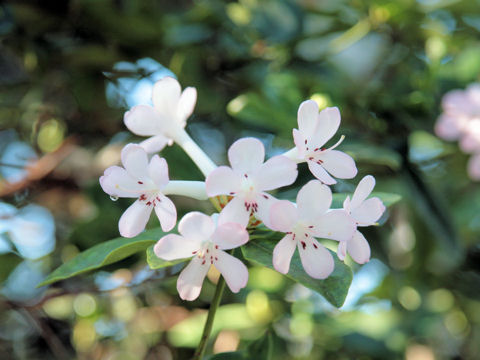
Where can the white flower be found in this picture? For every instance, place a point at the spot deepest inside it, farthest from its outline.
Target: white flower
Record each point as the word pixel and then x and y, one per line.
pixel 163 121
pixel 365 212
pixel 302 223
pixel 249 178
pixel 205 240
pixel 314 130
pixel 142 180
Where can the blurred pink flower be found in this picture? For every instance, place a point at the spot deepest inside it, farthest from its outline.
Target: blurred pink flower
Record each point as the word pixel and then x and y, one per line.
pixel 205 238
pixel 302 223
pixel 142 180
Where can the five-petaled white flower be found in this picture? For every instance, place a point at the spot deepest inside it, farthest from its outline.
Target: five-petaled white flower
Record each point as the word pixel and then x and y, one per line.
pixel 166 119
pixel 365 212
pixel 249 178
pixel 302 223
pixel 143 180
pixel 205 238
pixel 314 130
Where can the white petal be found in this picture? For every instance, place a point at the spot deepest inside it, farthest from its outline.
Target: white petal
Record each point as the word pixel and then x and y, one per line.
pixel 190 280
pixel 474 167
pixel 222 181
pixel 134 219
pixel 313 200
pixel 166 212
pixel 282 254
pixel 143 120
pixel 449 127
pixel 158 171
pixel 186 104
pixel 135 161
pixel 166 95
pixel 276 172
pixel 307 117
pixel 196 226
pixel 335 224
pixel 317 261
pixel 233 270
pixel 246 155
pixel 328 123
pixel 236 212
pixel 364 188
pixel 320 173
pixel 172 247
pixel 358 248
pixel 342 250
pixel 116 181
pixel 283 216
pixel 368 212
pixel 265 202
pixel 155 143
pixel 338 164
pixel 299 141
pixel 230 235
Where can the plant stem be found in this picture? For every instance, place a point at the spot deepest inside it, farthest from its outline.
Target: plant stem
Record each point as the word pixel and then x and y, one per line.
pixel 211 316
pixel 203 162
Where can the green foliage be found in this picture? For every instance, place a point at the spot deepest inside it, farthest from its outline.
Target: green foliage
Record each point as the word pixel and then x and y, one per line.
pixel 156 263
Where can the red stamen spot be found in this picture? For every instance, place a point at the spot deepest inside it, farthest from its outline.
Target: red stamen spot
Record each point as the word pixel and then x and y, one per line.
pixel 159 200
pixel 149 203
pixel 265 196
pixel 323 149
pixel 310 158
pixel 293 236
pixel 246 176
pixel 316 149
pixel 232 193
pixel 194 252
pixel 315 246
pixel 303 245
pixel 319 162
pixel 216 259
pixel 207 251
pixel 141 183
pixel 305 141
pixel 306 235
pixel 310 227
pixel 143 197
pixel 216 246
pixel 203 262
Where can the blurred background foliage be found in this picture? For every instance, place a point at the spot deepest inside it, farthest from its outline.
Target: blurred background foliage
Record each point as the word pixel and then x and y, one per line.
pixel 70 69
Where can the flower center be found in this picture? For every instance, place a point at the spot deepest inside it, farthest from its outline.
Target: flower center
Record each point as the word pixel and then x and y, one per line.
pixel 207 252
pixel 302 233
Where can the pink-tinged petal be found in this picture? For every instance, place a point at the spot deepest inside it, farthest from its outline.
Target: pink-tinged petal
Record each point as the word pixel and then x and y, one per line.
pixel 134 219
pixel 166 95
pixel 155 143
pixel 283 216
pixel 320 173
pixel 335 224
pixel 158 171
pixel 347 204
pixel 166 212
pixel 196 226
pixel 358 248
pixel 135 161
pixel 246 155
pixel 338 164
pixel 186 104
pixel 316 260
pixel 276 172
pixel 328 123
pixel 235 211
pixel 455 102
pixel 143 120
pixel 470 141
pixel 230 235
pixel 474 167
pixel 233 270
pixel 307 117
pixel 282 254
pixel 299 141
pixel 368 212
pixel 117 182
pixel 190 280
pixel 342 250
pixel 449 127
pixel 222 181
pixel 363 190
pixel 172 247
pixel 265 202
pixel 313 200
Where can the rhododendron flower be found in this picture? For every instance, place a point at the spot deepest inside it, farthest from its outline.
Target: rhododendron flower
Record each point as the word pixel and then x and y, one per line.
pixel 171 108
pixel 310 218
pixel 249 178
pixel 365 212
pixel 142 180
pixel 314 130
pixel 205 238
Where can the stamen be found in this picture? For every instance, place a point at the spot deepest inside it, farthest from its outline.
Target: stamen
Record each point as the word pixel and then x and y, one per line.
pixel 149 203
pixel 265 196
pixel 303 244
pixel 246 176
pixel 315 246
pixel 336 144
pixel 140 182
pixel 310 227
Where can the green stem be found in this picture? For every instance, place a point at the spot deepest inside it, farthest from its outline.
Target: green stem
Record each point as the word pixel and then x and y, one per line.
pixel 211 316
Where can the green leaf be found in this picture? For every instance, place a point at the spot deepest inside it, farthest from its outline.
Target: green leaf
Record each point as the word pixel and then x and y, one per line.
pixel 334 288
pixel 156 263
pixel 262 349
pixel 373 154
pixel 388 199
pixel 103 254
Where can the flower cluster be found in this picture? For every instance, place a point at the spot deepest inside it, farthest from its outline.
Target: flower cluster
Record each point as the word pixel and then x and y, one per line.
pixel 244 188
pixel 460 120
